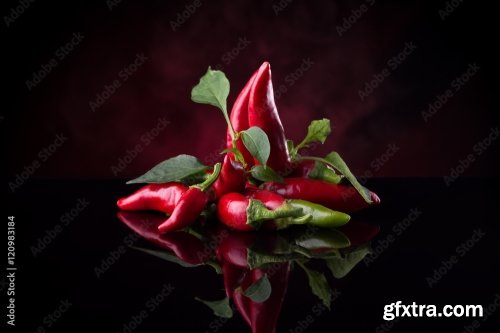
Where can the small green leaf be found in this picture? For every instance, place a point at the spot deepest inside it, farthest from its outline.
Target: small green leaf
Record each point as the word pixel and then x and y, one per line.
pixel 257 143
pixel 220 308
pixel 260 290
pixel 265 174
pixel 319 285
pixel 317 131
pixel 291 148
pixel 212 89
pixel 174 169
pixel 338 163
pixel 165 256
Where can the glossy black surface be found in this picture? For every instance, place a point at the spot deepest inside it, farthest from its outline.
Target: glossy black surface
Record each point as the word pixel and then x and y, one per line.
pixel 408 254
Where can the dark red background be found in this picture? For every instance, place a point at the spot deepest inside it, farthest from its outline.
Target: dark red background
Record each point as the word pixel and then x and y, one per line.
pixel 302 30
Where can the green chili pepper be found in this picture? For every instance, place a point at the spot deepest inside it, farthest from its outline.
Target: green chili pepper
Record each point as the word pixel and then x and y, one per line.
pixel 320 215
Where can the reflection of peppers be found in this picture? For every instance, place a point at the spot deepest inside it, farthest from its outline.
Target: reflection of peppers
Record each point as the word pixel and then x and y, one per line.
pixel 190 205
pixel 335 196
pixel 158 197
pixel 262 112
pixel 184 245
pixel 232 177
pixel 265 315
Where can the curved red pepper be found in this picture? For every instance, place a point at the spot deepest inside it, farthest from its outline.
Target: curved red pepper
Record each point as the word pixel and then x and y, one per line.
pixel 343 198
pixel 158 197
pixel 186 211
pixel 239 120
pixel 232 177
pixel 262 112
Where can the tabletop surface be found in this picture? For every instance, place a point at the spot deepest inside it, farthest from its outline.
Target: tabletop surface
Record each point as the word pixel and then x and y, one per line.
pixel 79 269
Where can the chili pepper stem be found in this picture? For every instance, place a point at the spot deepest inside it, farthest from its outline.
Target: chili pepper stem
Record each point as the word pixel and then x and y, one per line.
pixel 257 213
pixel 211 179
pixel 331 178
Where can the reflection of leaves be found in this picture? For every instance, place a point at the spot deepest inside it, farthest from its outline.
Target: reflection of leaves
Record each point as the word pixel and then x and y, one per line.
pixel 165 256
pixel 319 284
pixel 260 290
pixel 340 267
pixel 256 259
pixel 221 308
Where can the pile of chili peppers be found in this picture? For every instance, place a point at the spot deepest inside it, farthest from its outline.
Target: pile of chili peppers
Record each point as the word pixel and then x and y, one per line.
pixel 263 180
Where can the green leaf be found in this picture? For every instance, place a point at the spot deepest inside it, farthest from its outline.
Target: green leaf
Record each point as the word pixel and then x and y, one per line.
pixel 291 148
pixel 318 130
pixel 174 169
pixel 338 163
pixel 265 174
pixel 260 290
pixel 165 256
pixel 212 89
pixel 257 143
pixel 220 308
pixel 340 267
pixel 319 285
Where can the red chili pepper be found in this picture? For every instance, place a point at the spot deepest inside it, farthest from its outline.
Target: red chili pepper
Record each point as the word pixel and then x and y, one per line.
pixel 158 197
pixel 190 205
pixel 246 213
pixel 187 210
pixel 232 177
pixel 272 211
pixel 239 120
pixel 262 112
pixel 335 196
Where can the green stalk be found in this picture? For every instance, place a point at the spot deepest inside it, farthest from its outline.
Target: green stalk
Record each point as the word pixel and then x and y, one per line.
pixel 211 179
